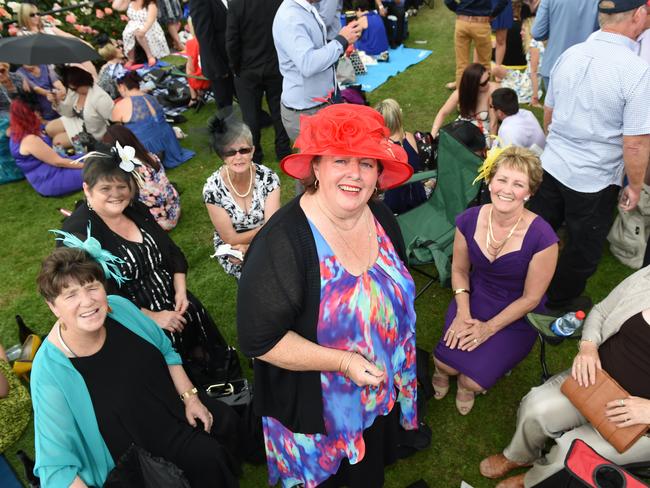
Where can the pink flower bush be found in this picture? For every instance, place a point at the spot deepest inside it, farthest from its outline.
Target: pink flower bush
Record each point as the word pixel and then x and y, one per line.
pixel 99 13
pixel 124 18
pixel 108 11
pixel 12 29
pixel 71 18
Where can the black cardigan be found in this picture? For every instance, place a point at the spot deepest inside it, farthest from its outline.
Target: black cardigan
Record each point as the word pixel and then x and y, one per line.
pixel 173 258
pixel 279 290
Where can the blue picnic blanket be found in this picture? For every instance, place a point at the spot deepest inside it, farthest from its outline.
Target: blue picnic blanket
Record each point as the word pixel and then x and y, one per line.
pixel 399 59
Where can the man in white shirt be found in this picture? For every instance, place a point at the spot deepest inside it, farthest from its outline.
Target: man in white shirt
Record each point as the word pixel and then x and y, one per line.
pixel 519 127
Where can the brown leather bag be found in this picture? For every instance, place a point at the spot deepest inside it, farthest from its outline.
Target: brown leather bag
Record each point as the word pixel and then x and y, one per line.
pixel 591 402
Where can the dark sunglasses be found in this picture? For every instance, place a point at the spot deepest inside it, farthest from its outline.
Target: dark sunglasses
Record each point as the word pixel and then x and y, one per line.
pixel 241 150
pixel 35 14
pixel 483 83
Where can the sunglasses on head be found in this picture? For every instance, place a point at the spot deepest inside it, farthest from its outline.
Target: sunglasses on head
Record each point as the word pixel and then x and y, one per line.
pixel 35 14
pixel 241 150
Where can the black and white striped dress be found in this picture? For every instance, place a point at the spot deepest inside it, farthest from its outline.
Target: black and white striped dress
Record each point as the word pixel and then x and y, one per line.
pixel 149 285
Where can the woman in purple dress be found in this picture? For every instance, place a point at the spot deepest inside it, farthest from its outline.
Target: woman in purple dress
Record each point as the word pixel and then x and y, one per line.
pixel 49 173
pixel 504 259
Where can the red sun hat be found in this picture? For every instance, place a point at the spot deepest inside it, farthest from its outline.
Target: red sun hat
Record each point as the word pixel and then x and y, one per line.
pixel 352 131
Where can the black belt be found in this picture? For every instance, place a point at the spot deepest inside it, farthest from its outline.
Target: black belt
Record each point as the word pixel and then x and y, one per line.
pixel 304 109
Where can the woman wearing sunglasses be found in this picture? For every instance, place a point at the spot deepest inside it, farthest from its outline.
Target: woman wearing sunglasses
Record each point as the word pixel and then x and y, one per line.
pixel 241 195
pixel 472 99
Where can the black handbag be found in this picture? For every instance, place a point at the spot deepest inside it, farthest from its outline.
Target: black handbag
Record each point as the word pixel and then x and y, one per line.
pixel 137 468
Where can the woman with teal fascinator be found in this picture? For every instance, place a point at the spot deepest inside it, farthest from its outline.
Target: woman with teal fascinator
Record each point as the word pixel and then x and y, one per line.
pixel 107 379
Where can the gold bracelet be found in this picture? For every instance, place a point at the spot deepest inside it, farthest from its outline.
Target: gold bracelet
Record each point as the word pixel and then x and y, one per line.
pixel 458 291
pixel 341 362
pixel 347 367
pixel 191 392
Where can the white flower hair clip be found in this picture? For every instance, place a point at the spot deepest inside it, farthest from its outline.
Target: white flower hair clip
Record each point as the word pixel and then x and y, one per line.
pixel 128 161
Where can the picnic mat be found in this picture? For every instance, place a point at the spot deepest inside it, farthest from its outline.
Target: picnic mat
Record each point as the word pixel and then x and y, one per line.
pixel 399 59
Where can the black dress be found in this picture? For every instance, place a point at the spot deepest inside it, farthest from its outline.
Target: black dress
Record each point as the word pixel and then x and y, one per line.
pixel 135 402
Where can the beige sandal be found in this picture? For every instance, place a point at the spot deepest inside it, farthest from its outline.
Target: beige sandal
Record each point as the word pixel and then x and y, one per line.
pixel 463 404
pixel 440 389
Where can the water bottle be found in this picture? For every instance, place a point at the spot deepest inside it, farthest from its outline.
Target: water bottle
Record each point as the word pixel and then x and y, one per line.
pixel 567 324
pixel 77 145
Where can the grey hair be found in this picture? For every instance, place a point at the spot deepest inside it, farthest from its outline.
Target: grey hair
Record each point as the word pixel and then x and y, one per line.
pixel 234 132
pixel 610 19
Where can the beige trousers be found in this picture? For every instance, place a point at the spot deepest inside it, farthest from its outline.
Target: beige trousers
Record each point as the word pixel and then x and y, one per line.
pixel 546 413
pixel 464 34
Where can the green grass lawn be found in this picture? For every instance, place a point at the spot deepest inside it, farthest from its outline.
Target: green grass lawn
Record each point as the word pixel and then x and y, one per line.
pixel 459 443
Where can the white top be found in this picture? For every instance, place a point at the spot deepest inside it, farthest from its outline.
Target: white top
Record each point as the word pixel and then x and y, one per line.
pixel 598 93
pixel 522 129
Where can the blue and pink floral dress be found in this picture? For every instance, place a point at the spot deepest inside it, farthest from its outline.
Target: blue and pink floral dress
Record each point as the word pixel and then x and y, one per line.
pixel 373 315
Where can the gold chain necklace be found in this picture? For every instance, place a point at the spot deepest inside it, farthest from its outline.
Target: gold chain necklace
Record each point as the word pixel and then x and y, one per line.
pixel 336 228
pixel 491 243
pixel 250 183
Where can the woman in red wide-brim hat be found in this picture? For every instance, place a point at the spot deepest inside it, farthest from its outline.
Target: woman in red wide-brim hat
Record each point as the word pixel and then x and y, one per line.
pixel 325 304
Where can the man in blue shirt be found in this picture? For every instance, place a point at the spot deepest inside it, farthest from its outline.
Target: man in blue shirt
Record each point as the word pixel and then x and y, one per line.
pixel 307 60
pixel 564 23
pixel 599 131
pixel 473 25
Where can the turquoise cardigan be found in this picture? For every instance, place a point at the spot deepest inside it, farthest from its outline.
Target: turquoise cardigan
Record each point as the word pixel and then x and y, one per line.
pixel 67 437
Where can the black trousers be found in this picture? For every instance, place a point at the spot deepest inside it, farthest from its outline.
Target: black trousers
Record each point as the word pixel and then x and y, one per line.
pixel 250 88
pixel 588 218
pixel 398 11
pixel 223 90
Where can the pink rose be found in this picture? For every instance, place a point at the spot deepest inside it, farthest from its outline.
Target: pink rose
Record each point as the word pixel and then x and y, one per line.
pixel 124 18
pixel 78 28
pixel 56 6
pixel 4 13
pixel 99 13
pixel 12 29
pixel 71 18
pixel 108 11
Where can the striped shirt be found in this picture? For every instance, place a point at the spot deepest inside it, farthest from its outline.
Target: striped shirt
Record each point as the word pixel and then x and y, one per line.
pixel 598 92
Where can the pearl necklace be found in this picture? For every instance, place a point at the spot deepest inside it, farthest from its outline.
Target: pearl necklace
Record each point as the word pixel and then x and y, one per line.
pixel 492 243
pixel 336 228
pixel 250 183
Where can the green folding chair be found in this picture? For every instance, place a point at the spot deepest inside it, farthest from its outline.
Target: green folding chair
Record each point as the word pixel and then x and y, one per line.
pixel 429 229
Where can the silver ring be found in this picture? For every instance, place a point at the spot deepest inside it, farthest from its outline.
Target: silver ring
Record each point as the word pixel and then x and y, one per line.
pixel 451 331
pixel 621 403
pixel 475 340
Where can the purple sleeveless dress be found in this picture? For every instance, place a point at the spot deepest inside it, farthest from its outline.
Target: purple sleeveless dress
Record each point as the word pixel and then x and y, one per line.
pixel 495 286
pixel 48 180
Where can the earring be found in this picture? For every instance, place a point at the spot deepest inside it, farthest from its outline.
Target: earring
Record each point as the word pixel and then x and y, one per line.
pixel 526 199
pixel 90 207
pixel 316 183
pixel 489 187
pixel 376 190
pixel 109 309
pixel 62 325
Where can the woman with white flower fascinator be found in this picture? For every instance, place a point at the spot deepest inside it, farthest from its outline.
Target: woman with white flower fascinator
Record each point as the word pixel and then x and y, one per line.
pixel 154 188
pixel 153 266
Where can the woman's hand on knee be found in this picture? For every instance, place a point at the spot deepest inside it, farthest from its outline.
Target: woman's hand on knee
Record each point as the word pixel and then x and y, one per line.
pixel 458 325
pixel 629 411
pixel 194 409
pixel 586 364
pixel 364 373
pixel 169 320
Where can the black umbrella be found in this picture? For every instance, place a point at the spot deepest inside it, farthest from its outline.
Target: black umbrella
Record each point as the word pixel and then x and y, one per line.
pixel 45 49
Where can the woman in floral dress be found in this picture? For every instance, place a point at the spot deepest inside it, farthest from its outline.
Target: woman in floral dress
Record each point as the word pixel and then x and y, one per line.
pixel 240 196
pixel 142 27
